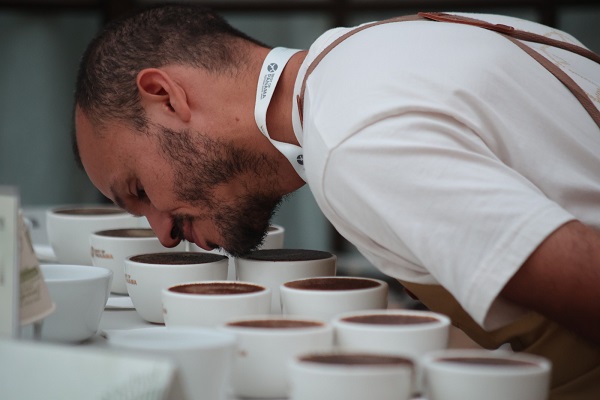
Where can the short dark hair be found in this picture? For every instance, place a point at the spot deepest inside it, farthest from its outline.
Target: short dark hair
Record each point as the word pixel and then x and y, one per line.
pixel 185 34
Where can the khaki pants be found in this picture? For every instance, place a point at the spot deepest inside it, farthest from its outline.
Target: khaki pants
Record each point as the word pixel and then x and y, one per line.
pixel 575 362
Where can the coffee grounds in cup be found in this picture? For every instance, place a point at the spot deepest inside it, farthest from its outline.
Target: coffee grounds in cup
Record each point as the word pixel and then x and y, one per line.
pixel 128 233
pixel 178 258
pixel 332 283
pixel 90 211
pixel 488 361
pixel 356 359
pixel 216 288
pixel 275 323
pixel 390 319
pixel 288 255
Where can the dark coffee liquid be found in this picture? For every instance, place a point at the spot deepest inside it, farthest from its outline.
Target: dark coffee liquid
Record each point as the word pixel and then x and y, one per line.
pixel 491 361
pixel 178 258
pixel 216 288
pixel 331 283
pixel 390 319
pixel 288 255
pixel 90 211
pixel 276 324
pixel 356 359
pixel 128 233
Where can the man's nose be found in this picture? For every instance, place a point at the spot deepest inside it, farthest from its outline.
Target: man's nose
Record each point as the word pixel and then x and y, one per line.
pixel 163 226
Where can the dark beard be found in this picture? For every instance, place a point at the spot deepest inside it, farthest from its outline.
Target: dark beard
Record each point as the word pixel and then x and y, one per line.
pixel 201 164
pixel 244 227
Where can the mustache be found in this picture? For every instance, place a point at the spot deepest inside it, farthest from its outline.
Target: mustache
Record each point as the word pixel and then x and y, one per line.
pixel 177 229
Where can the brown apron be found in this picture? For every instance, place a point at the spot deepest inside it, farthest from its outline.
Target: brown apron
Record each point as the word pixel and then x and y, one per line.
pixel 575 362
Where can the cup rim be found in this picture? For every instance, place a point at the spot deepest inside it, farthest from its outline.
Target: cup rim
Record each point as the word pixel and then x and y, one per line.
pixel 98 272
pixel 134 338
pixel 441 320
pixel 432 360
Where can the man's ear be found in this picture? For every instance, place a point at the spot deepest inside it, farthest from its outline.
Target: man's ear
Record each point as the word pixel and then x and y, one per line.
pixel 157 89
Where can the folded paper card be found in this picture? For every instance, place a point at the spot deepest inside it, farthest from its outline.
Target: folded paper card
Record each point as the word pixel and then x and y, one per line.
pixel 35 302
pixel 9 262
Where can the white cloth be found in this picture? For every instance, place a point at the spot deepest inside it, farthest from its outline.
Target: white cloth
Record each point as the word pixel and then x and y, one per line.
pixel 446 154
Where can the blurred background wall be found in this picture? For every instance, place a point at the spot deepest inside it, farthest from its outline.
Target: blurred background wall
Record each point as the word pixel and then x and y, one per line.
pixel 40 46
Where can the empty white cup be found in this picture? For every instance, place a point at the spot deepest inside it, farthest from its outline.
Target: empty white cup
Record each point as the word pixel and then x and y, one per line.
pixel 202 357
pixel 80 293
pixel 146 275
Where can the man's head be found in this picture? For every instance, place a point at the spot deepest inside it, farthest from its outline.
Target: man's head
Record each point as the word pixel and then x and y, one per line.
pixel 161 129
pixel 158 36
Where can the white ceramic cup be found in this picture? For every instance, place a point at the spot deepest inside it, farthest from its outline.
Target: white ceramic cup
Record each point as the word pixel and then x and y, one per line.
pixel 110 248
pixel 202 357
pixel 325 297
pixel 350 376
pixel 210 304
pixel 274 267
pixel 458 374
pixel 265 347
pixel 275 237
pixel 146 275
pixel 409 333
pixel 273 240
pixel 69 229
pixel 80 293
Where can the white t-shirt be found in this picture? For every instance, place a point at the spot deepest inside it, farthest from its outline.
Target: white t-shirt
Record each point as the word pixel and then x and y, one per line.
pixel 446 154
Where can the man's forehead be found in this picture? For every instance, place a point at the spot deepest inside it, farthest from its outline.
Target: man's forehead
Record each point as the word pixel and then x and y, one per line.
pixel 93 150
pixel 84 135
pixel 85 126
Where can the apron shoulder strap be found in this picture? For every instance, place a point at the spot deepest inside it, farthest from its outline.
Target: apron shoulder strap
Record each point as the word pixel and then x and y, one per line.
pixel 512 32
pixel 317 60
pixel 516 36
pixel 509 32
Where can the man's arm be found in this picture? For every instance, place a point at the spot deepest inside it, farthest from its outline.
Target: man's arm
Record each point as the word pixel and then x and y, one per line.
pixel 561 280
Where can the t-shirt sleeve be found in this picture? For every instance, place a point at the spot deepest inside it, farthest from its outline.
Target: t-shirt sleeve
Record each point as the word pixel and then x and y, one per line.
pixel 423 187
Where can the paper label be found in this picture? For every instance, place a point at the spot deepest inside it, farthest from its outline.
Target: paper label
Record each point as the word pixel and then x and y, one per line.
pixel 34 299
pixel 9 270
